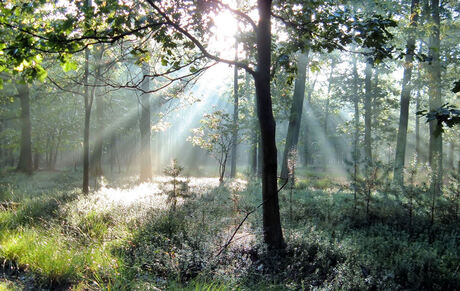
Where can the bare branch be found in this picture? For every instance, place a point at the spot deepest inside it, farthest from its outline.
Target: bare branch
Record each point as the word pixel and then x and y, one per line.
pixel 197 42
pixel 97 39
pixel 62 88
pixel 246 217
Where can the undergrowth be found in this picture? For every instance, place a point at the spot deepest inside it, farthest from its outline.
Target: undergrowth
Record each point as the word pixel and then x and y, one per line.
pixel 56 237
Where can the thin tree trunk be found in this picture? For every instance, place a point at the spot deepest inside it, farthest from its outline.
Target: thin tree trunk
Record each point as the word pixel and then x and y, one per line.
pixel 398 173
pixel 96 160
pixel 328 98
pixel 47 153
pixel 356 133
pixel 418 152
pixel 145 128
pixel 56 151
pixel 25 156
pixel 434 69
pixel 273 235
pixel 309 109
pixel 295 116
pixel 368 114
pixel 88 105
pixel 235 117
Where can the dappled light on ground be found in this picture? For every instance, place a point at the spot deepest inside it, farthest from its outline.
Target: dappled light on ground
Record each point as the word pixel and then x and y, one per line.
pixel 142 197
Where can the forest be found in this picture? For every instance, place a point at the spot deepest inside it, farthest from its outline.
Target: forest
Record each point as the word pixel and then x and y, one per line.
pixel 229 145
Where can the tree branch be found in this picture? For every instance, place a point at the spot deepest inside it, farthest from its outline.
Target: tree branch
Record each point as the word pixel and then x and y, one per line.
pixel 198 43
pixel 238 13
pixel 246 217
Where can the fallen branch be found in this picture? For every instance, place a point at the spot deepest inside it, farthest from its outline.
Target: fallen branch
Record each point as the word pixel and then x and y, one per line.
pixel 246 217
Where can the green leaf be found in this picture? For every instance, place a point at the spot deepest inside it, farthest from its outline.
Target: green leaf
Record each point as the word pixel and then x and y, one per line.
pixel 69 66
pixel 41 73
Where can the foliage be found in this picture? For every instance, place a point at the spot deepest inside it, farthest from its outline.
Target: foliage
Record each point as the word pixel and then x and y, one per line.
pixel 446 115
pixel 180 188
pixel 136 248
pixel 215 136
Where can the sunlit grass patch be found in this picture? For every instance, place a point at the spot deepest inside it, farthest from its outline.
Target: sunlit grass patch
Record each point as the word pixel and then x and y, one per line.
pixel 17 186
pixel 65 237
pixel 54 258
pixel 8 286
pixel 129 238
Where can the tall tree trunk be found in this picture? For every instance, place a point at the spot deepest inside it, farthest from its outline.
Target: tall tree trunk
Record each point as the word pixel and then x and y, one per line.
pixel 309 109
pixel 328 98
pixel 25 156
pixel 145 128
pixel 56 150
pixel 434 69
pixel 273 235
pixel 235 117
pixel 96 159
pixel 254 138
pixel 368 114
pixel 47 152
pixel 398 173
pixel 356 100
pixel 418 152
pixel 88 105
pixel 295 114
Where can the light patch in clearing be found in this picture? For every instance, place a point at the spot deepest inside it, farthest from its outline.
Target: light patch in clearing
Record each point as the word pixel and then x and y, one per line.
pixel 145 196
pixel 148 193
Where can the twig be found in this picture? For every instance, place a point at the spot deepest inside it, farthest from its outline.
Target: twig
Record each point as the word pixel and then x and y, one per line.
pixel 246 217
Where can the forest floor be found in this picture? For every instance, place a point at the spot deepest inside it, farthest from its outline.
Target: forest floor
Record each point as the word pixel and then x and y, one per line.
pixel 125 236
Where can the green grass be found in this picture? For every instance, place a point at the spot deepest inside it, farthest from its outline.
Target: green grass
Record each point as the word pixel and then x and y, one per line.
pixel 55 257
pixel 63 238
pixel 8 286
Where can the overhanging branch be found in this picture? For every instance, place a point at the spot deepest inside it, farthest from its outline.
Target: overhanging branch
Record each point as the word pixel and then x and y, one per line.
pixel 200 46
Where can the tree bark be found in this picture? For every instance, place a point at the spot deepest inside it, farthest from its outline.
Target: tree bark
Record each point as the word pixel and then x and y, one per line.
pixel 398 173
pixel 418 152
pixel 235 116
pixel 434 69
pixel 88 105
pixel 368 114
pixel 356 100
pixel 145 128
pixel 254 139
pixel 25 156
pixel 273 235
pixel 96 160
pixel 326 115
pixel 295 114
pixel 307 136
